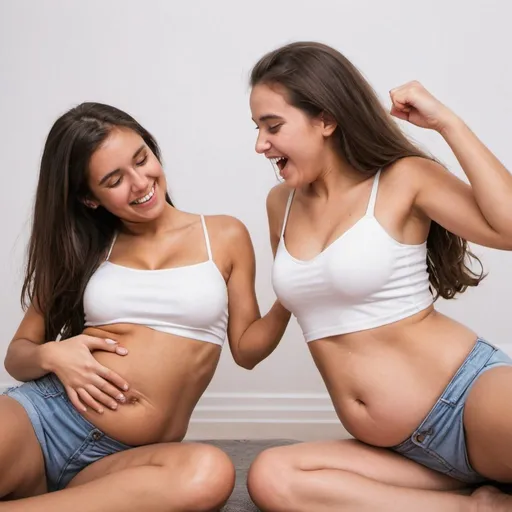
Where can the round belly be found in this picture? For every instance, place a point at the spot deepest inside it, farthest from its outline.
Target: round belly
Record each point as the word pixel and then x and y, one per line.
pixel 383 382
pixel 166 375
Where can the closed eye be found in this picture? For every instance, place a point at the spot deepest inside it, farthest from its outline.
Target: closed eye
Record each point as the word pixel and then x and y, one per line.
pixel 142 161
pixel 115 183
pixel 272 129
pixel 275 128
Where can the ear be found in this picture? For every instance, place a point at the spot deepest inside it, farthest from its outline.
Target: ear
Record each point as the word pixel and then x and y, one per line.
pixel 329 124
pixel 90 203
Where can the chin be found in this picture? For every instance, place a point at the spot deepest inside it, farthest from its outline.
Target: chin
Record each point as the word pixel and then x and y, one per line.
pixel 293 181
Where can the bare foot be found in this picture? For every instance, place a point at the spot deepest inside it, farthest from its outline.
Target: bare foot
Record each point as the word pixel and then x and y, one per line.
pixel 490 499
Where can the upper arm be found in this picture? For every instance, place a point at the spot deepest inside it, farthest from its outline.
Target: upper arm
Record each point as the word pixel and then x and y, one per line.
pixel 450 202
pixel 243 307
pixel 31 328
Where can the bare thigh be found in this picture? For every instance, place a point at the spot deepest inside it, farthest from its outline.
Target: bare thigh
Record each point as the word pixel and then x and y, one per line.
pixel 21 459
pixel 488 424
pixel 196 467
pixel 175 456
pixel 277 466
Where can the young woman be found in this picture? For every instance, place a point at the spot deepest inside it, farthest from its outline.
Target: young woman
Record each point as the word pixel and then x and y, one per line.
pixel 140 297
pixel 367 232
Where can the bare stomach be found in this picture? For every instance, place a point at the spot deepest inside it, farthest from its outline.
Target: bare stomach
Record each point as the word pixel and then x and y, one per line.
pixel 167 375
pixel 384 381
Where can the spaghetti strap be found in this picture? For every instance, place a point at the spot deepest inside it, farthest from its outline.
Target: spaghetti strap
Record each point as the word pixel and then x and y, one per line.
pixel 111 246
pixel 287 211
pixel 207 238
pixel 373 196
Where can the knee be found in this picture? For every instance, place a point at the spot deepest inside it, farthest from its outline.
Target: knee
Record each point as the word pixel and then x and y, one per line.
pixel 270 481
pixel 208 477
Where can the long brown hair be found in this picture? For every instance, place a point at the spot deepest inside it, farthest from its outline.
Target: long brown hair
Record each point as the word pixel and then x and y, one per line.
pixel 68 239
pixel 319 79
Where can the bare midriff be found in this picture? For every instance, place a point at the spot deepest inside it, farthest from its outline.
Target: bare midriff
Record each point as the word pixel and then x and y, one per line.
pixel 384 381
pixel 166 374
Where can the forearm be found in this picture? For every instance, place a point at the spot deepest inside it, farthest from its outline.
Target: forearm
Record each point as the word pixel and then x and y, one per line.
pixel 262 337
pixel 26 360
pixel 490 180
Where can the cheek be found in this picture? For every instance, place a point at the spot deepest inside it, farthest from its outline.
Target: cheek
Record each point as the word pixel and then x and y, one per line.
pixel 162 180
pixel 305 153
pixel 115 199
pixel 302 143
pixel 154 168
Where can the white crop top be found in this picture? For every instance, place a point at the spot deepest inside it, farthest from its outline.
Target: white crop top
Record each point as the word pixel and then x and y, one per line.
pixel 189 301
pixel 362 280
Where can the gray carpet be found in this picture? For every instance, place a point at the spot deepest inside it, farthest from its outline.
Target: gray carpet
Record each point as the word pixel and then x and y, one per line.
pixel 242 453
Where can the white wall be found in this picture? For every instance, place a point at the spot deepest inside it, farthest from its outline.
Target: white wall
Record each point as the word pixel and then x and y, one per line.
pixel 181 68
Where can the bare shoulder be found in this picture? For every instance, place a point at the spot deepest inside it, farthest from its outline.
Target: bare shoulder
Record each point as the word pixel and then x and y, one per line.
pixel 276 199
pixel 409 176
pixel 227 228
pixel 413 170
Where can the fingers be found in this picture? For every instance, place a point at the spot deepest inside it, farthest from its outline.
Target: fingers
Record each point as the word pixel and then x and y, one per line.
pixel 402 100
pixel 110 390
pixel 408 95
pixel 95 396
pixel 112 377
pixel 93 343
pixel 400 113
pixel 100 397
pixel 75 400
pixel 89 401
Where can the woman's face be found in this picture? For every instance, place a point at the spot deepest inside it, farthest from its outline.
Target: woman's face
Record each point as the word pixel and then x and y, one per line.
pixel 126 178
pixel 294 141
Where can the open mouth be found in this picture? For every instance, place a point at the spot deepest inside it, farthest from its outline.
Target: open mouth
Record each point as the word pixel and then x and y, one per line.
pixel 146 198
pixel 278 164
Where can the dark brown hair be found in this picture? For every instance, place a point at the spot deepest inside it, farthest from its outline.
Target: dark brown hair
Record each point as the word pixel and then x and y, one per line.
pixel 319 79
pixel 68 239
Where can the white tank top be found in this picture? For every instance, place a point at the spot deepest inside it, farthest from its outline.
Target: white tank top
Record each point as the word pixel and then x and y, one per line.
pixel 363 280
pixel 189 301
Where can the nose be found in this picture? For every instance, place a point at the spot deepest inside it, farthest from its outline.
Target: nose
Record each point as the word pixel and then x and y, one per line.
pixel 139 182
pixel 262 144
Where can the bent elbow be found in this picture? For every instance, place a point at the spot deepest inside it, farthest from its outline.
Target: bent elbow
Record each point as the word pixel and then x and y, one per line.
pixel 245 362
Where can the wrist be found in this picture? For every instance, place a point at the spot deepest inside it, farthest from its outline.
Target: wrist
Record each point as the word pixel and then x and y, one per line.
pixel 451 123
pixel 47 356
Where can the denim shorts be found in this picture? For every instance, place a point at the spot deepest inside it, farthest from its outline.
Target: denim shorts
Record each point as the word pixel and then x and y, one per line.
pixel 68 441
pixel 439 442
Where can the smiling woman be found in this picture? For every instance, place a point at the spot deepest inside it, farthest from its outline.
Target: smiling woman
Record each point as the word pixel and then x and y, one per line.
pixel 142 297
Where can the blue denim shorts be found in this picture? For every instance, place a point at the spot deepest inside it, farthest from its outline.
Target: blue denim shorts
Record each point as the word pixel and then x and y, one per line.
pixel 439 442
pixel 68 441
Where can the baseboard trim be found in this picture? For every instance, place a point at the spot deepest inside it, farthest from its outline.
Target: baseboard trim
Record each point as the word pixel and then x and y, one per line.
pixel 306 416
pixel 300 431
pixel 265 408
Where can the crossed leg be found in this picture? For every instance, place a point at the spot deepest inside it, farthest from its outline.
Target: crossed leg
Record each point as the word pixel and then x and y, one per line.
pixel 351 476
pixel 165 477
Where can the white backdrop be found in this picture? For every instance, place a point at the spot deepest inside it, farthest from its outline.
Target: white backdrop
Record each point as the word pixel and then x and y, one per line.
pixel 181 68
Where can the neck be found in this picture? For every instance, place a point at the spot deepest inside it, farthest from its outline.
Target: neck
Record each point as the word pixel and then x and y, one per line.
pixel 336 176
pixel 162 223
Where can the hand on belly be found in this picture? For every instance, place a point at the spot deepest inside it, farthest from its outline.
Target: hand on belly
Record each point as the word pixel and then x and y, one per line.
pixel 88 383
pixel 167 375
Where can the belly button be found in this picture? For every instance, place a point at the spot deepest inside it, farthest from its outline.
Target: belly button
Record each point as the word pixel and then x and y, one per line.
pixel 133 400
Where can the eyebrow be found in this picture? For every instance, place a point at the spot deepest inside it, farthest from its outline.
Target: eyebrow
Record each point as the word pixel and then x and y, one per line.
pixel 115 171
pixel 269 117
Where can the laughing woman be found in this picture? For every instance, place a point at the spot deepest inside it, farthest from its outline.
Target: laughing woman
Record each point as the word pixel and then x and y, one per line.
pixel 367 231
